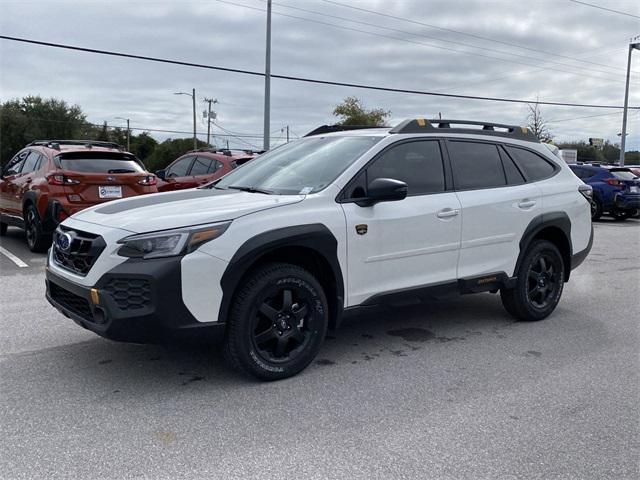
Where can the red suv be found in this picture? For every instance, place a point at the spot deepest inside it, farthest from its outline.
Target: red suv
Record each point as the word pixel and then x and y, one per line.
pixel 198 167
pixel 47 181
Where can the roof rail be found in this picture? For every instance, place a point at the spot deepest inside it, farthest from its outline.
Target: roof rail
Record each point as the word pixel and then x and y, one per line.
pixel 87 143
pixel 226 151
pixel 338 128
pixel 422 125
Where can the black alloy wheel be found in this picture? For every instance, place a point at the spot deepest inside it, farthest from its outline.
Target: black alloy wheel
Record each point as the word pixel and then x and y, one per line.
pixel 283 325
pixel 543 281
pixel 539 283
pixel 621 215
pixel 596 209
pixel 37 241
pixel 277 322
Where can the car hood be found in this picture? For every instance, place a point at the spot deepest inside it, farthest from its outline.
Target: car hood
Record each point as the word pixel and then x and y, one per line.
pixel 160 211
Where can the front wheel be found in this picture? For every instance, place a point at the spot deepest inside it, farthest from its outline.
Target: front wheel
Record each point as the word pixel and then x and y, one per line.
pixel 621 215
pixel 277 322
pixel 539 284
pixel 596 209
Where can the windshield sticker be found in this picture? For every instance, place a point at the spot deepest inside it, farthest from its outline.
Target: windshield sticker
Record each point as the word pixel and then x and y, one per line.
pixel 306 190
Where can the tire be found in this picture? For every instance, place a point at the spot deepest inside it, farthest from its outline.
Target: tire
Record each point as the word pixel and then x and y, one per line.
pixel 621 215
pixel 596 209
pixel 3 229
pixel 540 280
pixel 37 240
pixel 272 334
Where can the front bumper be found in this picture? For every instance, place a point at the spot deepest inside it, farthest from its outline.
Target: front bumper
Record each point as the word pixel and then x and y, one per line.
pixel 627 201
pixel 136 301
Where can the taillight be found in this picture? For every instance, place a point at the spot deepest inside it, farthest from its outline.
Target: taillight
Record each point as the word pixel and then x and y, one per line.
pixel 587 192
pixel 148 180
pixel 614 182
pixel 60 179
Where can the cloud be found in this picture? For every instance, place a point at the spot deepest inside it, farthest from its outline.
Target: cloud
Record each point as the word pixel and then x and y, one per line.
pixel 218 33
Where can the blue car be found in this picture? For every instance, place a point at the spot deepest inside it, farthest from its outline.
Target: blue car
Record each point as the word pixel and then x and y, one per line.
pixel 616 190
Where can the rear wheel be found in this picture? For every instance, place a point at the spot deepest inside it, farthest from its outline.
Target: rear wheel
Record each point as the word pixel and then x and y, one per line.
pixel 277 322
pixel 596 209
pixel 540 280
pixel 621 215
pixel 37 240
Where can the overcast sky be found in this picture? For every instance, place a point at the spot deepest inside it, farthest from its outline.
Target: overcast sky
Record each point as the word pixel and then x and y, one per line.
pixel 554 50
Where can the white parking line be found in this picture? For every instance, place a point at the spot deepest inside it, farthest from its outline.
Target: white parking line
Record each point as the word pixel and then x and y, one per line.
pixel 12 257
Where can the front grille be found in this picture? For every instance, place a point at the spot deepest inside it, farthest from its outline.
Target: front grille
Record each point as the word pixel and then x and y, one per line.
pixel 81 253
pixel 130 293
pixel 70 301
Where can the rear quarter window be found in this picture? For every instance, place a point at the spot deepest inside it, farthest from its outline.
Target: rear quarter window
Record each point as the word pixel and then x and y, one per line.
pixel 534 166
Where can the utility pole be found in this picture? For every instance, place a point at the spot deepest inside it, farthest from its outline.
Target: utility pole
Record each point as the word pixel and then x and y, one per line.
pixel 623 141
pixel 209 101
pixel 267 81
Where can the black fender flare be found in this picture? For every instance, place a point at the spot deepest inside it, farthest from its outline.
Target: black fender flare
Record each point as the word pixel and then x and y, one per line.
pixel 316 237
pixel 558 220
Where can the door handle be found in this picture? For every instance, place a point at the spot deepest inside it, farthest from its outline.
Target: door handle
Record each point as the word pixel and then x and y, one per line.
pixel 526 204
pixel 447 213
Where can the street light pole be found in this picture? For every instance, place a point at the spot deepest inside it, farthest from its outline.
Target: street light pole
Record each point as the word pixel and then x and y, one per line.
pixel 623 141
pixel 267 81
pixel 193 97
pixel 128 133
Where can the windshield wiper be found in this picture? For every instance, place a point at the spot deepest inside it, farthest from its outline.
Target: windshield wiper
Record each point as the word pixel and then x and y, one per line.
pixel 251 189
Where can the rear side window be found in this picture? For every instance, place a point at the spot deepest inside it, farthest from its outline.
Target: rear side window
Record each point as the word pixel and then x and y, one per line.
pixel 533 165
pixel 418 164
pixel 623 174
pixel 31 162
pixel 476 165
pixel 203 166
pixel 99 162
pixel 514 176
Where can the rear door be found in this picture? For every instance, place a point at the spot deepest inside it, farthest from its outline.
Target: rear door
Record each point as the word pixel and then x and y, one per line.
pixel 403 244
pixel 497 207
pixel 95 177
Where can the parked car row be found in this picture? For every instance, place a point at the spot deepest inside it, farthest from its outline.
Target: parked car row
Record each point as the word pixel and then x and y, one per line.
pixel 50 180
pixel 616 190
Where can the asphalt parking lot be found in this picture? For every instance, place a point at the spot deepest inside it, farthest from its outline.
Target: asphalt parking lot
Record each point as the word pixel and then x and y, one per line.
pixel 444 390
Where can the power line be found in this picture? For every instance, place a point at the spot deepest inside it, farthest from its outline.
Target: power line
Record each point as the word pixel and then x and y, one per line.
pixel 459 32
pixel 604 8
pixel 366 32
pixel 468 45
pixel 304 79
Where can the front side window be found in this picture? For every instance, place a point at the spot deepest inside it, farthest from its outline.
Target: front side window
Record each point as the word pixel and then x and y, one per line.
pixel 476 165
pixel 15 165
pixel 99 162
pixel 533 165
pixel 304 166
pixel 180 168
pixel 418 164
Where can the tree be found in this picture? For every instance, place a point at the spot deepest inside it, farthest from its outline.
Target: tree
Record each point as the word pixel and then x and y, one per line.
pixel 32 118
pixel 353 112
pixel 536 123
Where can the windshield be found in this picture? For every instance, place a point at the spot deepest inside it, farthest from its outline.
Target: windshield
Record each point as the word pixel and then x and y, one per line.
pixel 99 163
pixel 301 167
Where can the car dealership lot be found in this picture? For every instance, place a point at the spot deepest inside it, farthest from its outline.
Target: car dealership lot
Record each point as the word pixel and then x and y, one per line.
pixel 452 389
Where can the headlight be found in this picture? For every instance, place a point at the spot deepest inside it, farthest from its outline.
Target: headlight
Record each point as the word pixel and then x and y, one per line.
pixel 168 243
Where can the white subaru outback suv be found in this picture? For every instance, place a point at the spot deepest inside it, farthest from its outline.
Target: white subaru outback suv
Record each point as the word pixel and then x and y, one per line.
pixel 279 250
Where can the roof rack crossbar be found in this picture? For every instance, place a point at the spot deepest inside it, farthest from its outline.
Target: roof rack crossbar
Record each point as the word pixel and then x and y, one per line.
pixel 88 143
pixel 422 125
pixel 338 128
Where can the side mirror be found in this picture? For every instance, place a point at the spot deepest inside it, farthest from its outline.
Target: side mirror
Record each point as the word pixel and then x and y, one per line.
pixel 384 190
pixel 161 174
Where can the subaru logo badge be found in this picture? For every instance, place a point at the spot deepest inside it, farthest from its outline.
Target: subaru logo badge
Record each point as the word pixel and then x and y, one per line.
pixel 111 179
pixel 63 241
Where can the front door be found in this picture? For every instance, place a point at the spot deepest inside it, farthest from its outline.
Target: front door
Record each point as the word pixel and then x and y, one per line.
pixel 404 244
